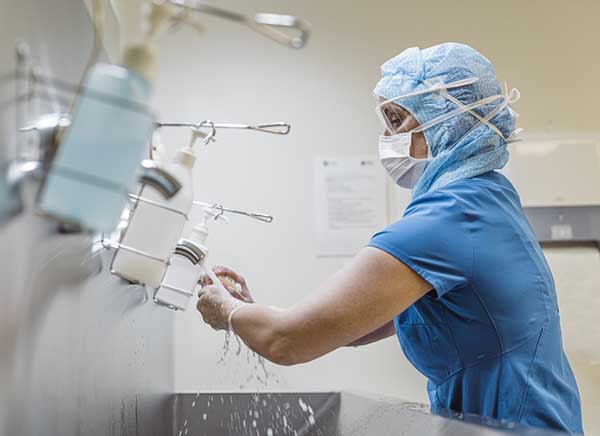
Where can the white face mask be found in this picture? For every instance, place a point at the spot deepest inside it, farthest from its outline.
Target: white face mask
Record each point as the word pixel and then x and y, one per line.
pixel 394 154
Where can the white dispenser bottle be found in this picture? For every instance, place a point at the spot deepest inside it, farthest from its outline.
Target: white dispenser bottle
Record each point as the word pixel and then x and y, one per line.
pixel 155 230
pixel 187 265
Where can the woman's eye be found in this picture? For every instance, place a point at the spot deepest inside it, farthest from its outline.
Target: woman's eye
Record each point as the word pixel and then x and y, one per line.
pixel 396 120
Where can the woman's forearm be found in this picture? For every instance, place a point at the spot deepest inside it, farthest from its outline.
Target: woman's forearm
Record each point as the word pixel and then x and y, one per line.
pixel 352 304
pixel 289 336
pixel 265 330
pixel 381 333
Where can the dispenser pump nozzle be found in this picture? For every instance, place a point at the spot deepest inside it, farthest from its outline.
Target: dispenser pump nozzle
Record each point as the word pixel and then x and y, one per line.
pixel 199 233
pixel 186 157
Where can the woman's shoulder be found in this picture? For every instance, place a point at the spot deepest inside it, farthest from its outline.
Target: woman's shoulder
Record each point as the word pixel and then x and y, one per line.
pixel 467 195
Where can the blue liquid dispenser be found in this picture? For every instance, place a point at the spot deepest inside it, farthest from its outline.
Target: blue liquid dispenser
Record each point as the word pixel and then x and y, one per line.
pixel 96 164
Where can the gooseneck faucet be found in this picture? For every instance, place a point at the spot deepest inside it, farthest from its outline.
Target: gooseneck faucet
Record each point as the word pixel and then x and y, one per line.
pixel 153 174
pixel 49 129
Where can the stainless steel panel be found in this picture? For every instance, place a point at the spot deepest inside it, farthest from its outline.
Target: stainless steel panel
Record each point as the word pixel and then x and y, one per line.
pixel 334 414
pixel 81 352
pixel 242 414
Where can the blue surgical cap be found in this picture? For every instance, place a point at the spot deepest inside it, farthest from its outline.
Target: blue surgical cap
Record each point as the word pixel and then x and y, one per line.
pixel 459 150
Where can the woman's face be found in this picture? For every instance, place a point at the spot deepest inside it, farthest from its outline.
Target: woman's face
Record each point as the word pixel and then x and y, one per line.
pixel 402 121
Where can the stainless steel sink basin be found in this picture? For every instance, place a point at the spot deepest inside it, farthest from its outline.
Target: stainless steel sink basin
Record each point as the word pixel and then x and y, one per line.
pixel 323 414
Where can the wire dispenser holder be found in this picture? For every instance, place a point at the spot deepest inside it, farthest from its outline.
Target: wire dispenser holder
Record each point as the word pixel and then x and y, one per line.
pixel 110 243
pixel 135 199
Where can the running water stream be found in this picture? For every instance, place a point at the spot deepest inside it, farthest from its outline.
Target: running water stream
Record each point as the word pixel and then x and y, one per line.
pixel 245 422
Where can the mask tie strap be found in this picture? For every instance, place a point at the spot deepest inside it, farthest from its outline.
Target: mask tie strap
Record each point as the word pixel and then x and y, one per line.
pixel 435 87
pixel 476 115
pixel 458 111
pixel 509 98
pixel 514 96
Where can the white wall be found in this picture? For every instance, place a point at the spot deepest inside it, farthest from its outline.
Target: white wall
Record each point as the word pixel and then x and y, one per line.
pixel 548 49
pixel 577 275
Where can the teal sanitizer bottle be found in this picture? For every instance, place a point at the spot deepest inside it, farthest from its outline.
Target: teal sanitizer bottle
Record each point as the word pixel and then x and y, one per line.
pixel 97 161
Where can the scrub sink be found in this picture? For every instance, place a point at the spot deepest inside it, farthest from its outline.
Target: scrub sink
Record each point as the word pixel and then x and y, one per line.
pixel 322 414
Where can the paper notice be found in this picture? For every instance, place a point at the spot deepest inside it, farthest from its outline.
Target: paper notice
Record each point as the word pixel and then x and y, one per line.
pixel 350 203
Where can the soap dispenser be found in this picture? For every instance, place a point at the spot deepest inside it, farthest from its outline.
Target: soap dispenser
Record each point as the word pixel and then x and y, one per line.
pixel 155 226
pixel 95 165
pixel 187 265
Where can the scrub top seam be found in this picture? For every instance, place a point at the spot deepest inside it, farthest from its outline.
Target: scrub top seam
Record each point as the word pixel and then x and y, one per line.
pixel 472 282
pixel 460 359
pixel 539 264
pixel 537 347
pixel 490 317
pixel 495 356
pixel 439 400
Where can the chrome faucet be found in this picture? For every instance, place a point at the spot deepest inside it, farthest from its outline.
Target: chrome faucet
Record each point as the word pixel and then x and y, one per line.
pixel 15 172
pixel 154 175
pixel 11 203
pixel 50 128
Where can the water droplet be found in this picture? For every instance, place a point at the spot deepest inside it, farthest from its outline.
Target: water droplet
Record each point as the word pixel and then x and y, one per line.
pixel 311 419
pixel 205 416
pixel 303 405
pixel 254 423
pixel 239 344
pixel 269 432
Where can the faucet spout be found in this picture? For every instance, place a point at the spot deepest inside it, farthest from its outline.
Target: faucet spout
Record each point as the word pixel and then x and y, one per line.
pixel 161 180
pixel 18 171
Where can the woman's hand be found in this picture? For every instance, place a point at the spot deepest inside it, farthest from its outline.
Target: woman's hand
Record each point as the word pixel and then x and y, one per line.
pixel 215 304
pixel 235 283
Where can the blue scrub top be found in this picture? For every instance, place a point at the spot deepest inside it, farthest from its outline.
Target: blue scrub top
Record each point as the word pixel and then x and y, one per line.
pixel 488 336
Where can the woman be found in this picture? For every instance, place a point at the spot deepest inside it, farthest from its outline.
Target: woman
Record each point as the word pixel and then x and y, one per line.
pixel 460 278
